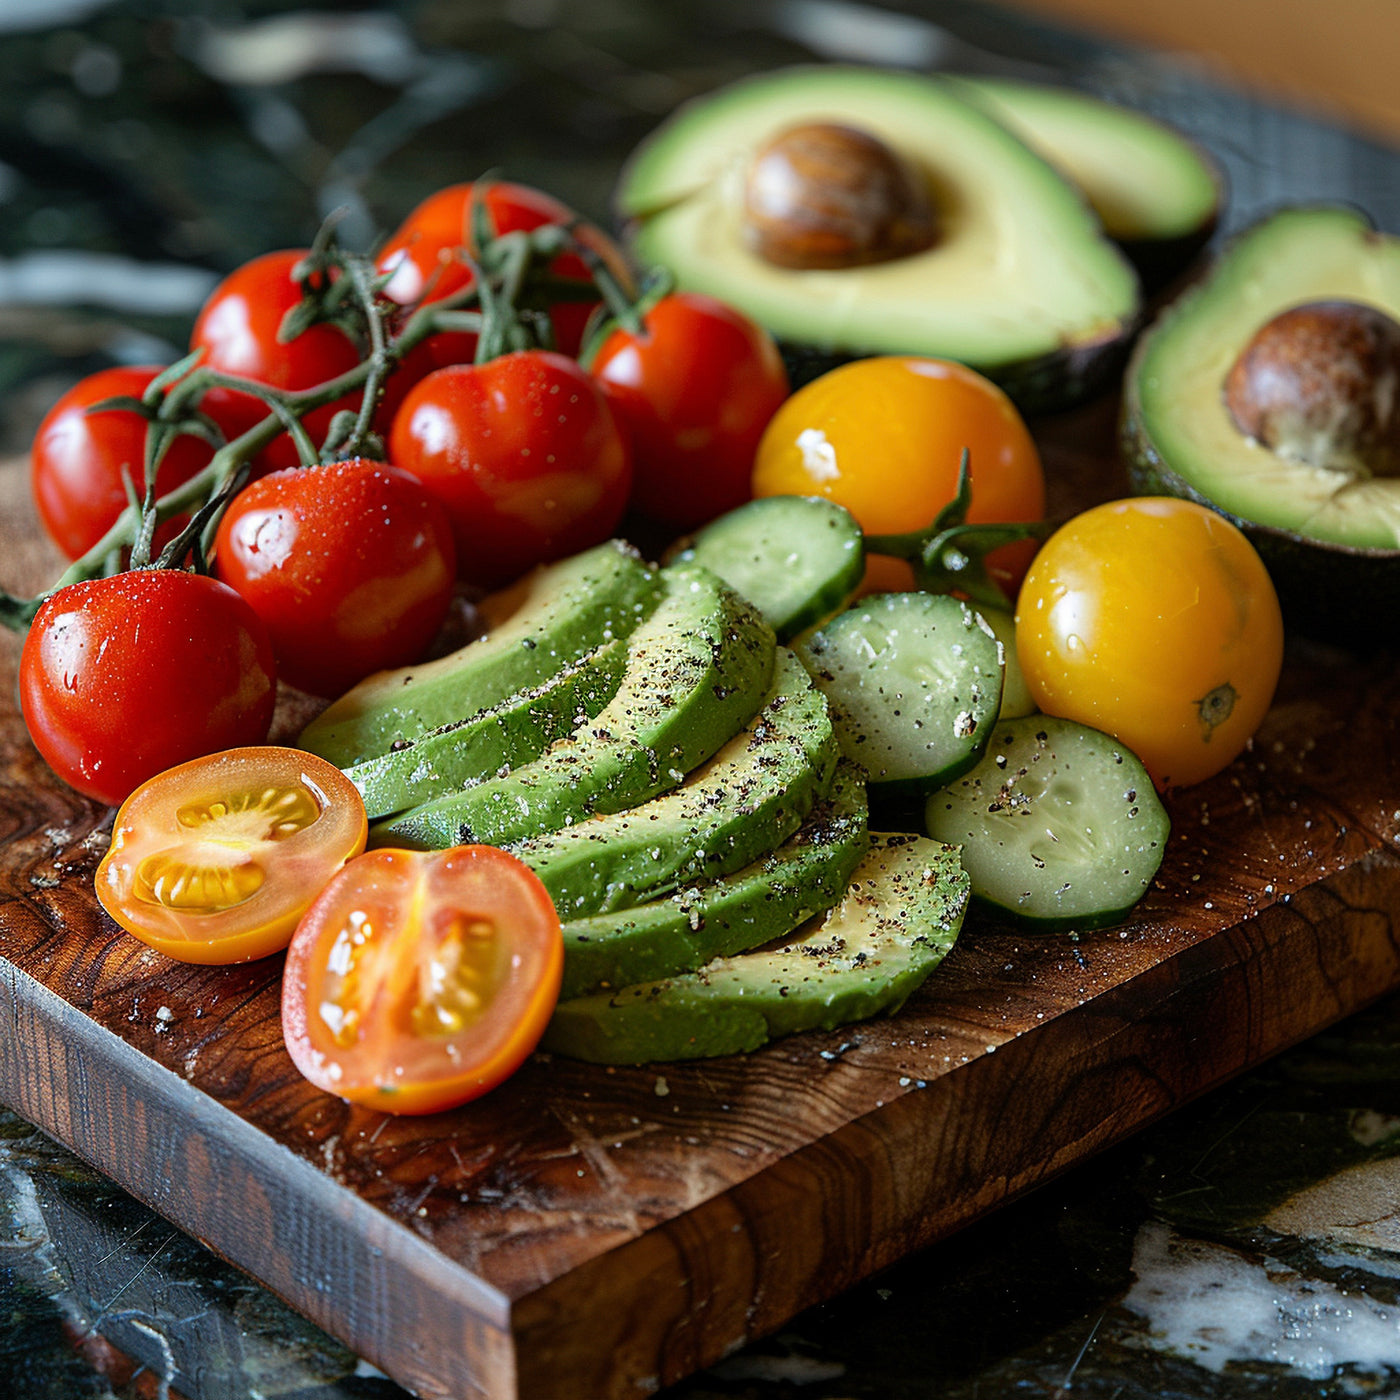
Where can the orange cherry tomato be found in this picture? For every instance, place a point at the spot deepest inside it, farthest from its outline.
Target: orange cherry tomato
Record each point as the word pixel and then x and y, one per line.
pixel 215 861
pixel 1155 621
pixel 421 979
pixel 883 437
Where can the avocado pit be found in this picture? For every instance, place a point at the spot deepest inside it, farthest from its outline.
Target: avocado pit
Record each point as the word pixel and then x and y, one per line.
pixel 1320 384
pixel 823 195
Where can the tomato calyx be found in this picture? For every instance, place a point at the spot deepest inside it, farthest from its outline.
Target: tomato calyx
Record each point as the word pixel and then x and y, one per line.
pixel 949 554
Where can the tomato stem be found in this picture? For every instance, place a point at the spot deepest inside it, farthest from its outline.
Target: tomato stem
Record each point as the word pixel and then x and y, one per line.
pixel 949 554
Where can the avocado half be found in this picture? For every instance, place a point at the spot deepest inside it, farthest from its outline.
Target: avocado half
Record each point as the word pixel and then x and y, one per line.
pixel 1331 538
pixel 1021 283
pixel 1157 194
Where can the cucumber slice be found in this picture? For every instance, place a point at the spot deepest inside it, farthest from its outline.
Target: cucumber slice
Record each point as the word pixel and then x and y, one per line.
pixel 797 559
pixel 719 918
pixel 914 683
pixel 893 926
pixel 1060 825
pixel 1016 699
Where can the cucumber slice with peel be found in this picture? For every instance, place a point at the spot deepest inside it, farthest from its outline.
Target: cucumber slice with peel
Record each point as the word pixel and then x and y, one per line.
pixel 1060 825
pixel 914 683
pixel 797 559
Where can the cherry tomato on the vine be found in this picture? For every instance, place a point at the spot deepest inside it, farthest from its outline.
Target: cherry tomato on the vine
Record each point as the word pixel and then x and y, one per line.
pixel 78 456
pixel 1155 621
pixel 125 676
pixel 216 860
pixel 883 437
pixel 420 980
pixel 350 565
pixel 422 256
pixel 237 329
pixel 695 391
pixel 524 452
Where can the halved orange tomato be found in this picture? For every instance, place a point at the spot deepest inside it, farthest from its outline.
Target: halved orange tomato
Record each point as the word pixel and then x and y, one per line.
pixel 216 860
pixel 421 979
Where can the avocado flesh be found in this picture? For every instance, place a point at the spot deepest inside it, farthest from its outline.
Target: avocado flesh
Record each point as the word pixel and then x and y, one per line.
pixel 1179 436
pixel 747 798
pixel 1020 269
pixel 719 918
pixel 514 732
pixel 1145 181
pixel 896 922
pixel 697 670
pixel 557 614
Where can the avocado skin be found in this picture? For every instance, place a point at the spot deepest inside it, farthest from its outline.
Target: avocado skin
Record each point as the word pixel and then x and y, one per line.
pixel 697 671
pixel 516 731
pixel 900 917
pixel 719 918
pixel 1047 384
pixel 751 795
pixel 1335 592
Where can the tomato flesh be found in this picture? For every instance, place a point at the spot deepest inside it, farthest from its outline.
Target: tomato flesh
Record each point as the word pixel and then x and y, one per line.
pixel 215 861
pixel 420 980
pixel 1155 621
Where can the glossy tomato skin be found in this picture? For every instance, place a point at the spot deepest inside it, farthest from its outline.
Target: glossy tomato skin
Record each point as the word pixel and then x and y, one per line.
pixel 77 459
pixel 420 980
pixel 350 566
pixel 237 329
pixel 883 437
pixel 1155 621
pixel 421 255
pixel 123 677
pixel 524 452
pixel 694 390
pixel 216 860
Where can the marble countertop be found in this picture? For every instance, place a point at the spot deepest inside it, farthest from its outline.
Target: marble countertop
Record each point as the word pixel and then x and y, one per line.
pixel 1248 1246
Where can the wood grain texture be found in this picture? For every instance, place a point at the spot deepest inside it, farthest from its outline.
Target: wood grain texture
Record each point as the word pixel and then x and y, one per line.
pixel 600 1232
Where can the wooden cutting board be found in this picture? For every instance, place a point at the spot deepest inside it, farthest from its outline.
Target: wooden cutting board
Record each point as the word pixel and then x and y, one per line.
pixel 599 1233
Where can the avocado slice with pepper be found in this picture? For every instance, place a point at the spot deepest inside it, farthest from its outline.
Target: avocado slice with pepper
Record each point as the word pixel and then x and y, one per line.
pixel 896 922
pixel 1019 281
pixel 1329 527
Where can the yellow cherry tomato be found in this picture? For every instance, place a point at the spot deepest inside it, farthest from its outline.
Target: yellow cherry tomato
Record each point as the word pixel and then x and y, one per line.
pixel 883 437
pixel 1155 621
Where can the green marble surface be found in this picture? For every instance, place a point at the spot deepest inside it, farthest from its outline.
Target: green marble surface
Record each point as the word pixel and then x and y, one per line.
pixel 1247 1247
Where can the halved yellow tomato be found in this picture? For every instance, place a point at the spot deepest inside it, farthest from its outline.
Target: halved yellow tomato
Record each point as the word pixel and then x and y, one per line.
pixel 421 979
pixel 216 860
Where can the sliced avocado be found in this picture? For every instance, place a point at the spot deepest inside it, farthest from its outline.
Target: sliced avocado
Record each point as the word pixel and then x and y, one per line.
pixel 1157 194
pixel 551 618
pixel 1020 283
pixel 514 732
pixel 697 670
pixel 750 796
pixel 718 918
pixel 1323 531
pixel 894 925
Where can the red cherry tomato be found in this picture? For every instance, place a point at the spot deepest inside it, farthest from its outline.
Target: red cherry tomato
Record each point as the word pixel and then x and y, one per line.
pixel 123 677
pixel 420 980
pixel 237 328
pixel 77 459
pixel 695 391
pixel 525 454
pixel 422 255
pixel 216 860
pixel 350 566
